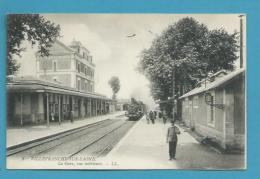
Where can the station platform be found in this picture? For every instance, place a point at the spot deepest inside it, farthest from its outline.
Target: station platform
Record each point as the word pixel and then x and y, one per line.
pixel 145 147
pixel 19 135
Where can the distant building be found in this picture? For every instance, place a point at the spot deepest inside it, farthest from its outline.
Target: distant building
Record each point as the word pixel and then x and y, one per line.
pixel 71 66
pixel 63 90
pixel 35 101
pixel 216 109
pixel 123 104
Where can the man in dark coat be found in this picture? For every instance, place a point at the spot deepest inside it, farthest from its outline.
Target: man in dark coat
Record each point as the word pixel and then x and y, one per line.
pixel 72 116
pixel 164 116
pixel 172 139
pixel 151 116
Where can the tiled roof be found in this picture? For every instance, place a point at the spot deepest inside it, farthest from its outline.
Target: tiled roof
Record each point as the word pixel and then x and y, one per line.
pixel 32 84
pixel 215 84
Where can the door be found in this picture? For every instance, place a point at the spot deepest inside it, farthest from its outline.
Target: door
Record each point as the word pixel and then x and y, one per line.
pixel 190 114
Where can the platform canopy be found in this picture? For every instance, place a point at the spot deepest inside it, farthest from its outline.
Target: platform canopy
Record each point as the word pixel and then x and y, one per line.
pixel 33 85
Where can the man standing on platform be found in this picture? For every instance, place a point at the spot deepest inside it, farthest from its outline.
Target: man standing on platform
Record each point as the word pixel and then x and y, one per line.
pixel 164 116
pixel 71 116
pixel 172 139
pixel 151 116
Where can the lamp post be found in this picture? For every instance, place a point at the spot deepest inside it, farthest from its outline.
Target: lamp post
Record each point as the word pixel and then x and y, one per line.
pixel 173 92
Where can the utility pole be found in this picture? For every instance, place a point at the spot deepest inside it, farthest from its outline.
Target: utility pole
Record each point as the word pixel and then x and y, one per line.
pixel 173 92
pixel 241 41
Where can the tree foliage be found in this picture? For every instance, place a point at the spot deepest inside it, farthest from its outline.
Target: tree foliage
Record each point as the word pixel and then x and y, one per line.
pixel 192 50
pixel 31 27
pixel 115 85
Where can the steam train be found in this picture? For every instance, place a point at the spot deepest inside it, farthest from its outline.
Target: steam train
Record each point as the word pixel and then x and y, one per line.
pixel 136 110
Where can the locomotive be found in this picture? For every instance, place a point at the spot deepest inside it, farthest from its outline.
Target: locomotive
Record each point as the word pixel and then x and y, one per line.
pixel 136 110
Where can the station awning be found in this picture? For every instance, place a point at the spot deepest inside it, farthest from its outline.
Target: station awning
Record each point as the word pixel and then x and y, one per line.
pixel 38 86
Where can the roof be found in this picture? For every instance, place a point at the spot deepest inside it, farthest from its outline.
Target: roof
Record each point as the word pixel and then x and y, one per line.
pixel 75 43
pixel 67 49
pixel 62 45
pixel 123 100
pixel 165 101
pixel 31 84
pixel 215 75
pixel 215 84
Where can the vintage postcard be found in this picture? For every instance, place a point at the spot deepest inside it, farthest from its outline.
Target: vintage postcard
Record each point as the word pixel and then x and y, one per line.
pixel 126 91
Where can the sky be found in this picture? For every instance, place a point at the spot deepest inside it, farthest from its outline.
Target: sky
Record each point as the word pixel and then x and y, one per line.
pixel 115 54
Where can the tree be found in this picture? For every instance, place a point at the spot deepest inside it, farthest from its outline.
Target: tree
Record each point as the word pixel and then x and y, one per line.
pixel 31 27
pixel 115 85
pixel 188 50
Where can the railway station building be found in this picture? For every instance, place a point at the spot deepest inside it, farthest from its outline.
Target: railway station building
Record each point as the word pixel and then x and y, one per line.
pixel 63 89
pixel 216 109
pixel 71 66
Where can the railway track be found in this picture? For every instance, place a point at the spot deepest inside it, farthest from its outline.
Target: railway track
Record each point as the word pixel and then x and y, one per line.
pixel 92 140
pixel 103 145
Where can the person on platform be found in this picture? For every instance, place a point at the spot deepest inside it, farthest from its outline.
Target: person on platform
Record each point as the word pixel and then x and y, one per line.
pixel 164 116
pixel 72 116
pixel 160 114
pixel 147 117
pixel 151 116
pixel 155 114
pixel 172 139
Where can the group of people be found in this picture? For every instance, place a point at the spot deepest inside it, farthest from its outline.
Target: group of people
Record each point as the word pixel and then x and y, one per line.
pixel 151 116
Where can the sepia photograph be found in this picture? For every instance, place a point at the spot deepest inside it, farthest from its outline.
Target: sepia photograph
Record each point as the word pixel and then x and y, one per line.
pixel 126 91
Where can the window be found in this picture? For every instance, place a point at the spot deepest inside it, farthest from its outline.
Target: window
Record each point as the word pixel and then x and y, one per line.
pixel 75 106
pixel 78 85
pixel 82 68
pixel 186 103
pixel 86 85
pixel 87 71
pixel 195 102
pixel 91 74
pixel 54 66
pixel 46 64
pixel 211 111
pixel 78 67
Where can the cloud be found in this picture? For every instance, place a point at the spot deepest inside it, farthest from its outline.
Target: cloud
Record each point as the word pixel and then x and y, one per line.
pixel 116 55
pixel 90 39
pixel 27 60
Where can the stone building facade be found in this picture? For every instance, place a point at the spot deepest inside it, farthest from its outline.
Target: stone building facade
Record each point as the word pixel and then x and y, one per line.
pixel 63 89
pixel 70 66
pixel 222 118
